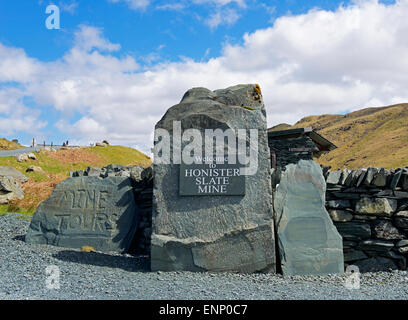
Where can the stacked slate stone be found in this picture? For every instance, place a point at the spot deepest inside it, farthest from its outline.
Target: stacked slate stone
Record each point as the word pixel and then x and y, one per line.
pixel 142 182
pixel 369 207
pixel 143 188
pixel 284 155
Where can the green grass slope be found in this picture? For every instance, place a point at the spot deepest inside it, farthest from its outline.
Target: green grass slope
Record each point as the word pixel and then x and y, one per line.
pixel 58 164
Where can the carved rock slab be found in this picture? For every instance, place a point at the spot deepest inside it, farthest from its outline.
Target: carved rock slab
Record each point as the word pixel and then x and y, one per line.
pixel 87 211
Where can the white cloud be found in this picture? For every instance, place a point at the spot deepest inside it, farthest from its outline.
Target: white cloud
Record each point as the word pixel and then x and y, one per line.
pixel 68 7
pixel 135 4
pixel 315 63
pixel 226 16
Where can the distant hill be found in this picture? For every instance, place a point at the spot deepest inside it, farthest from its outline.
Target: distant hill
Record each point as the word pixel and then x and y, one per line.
pixel 371 137
pixel 58 164
pixel 8 145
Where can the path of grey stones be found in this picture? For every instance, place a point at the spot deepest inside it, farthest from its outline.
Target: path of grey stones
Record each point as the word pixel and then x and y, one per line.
pixel 114 276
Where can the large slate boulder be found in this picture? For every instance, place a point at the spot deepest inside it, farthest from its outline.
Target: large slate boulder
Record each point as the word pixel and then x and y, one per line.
pixel 87 211
pixel 214 232
pixel 10 189
pixel 308 241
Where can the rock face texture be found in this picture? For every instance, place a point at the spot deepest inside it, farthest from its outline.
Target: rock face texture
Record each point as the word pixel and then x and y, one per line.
pixel 10 189
pixel 308 241
pixel 218 232
pixel 87 211
pixel 12 172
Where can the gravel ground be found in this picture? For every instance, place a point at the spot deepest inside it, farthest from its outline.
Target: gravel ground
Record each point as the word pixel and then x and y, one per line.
pixel 95 276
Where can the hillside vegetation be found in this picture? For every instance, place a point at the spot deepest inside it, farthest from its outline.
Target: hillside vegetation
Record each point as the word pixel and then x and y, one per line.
pixel 371 137
pixel 58 164
pixel 8 145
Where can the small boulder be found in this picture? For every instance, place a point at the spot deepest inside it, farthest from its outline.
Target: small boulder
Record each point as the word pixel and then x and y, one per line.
pixel 34 169
pixel 21 157
pixel 31 156
pixel 10 189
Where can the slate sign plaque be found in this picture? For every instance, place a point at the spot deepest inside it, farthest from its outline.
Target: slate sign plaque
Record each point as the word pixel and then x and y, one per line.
pixel 211 179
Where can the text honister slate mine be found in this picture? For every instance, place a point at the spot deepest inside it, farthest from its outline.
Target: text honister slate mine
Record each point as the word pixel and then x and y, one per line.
pixel 211 179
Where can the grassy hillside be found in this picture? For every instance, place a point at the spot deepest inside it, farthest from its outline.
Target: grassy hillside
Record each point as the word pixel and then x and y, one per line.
pixel 58 164
pixel 371 137
pixel 8 145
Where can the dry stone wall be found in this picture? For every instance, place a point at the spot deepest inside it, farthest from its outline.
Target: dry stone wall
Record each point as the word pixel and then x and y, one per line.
pixel 369 207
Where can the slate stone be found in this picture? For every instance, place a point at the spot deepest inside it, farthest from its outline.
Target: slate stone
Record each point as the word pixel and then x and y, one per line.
pixel 402 214
pixel 347 244
pixel 92 172
pixel 354 230
pixel 308 241
pixel 87 211
pixel 10 189
pixel 214 233
pixel 136 174
pixel 12 172
pixel 387 254
pixel 364 217
pixel 350 178
pixel 403 250
pixel 396 178
pixel 385 193
pixel 353 255
pixel 326 170
pixel 79 173
pixel 347 196
pixel 356 176
pixel 344 176
pixel 339 204
pixel 384 229
pixel 370 176
pixel 380 178
pixel 401 223
pixel 334 177
pixel 376 206
pixel 340 215
pixel 376 245
pixel 402 243
pixel 361 178
pixel 404 181
pixel 375 264
pixel 400 195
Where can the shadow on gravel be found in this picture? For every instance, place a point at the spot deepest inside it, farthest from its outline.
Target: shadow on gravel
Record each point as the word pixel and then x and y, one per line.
pixel 19 238
pixel 133 263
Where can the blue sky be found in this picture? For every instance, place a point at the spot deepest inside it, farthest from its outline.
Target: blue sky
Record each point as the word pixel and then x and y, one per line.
pixel 115 66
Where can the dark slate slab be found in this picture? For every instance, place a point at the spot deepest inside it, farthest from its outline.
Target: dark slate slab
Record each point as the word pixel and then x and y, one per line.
pixel 375 264
pixel 308 241
pixel 370 176
pixel 380 178
pixel 361 178
pixel 87 211
pixel 395 179
pixel 354 230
